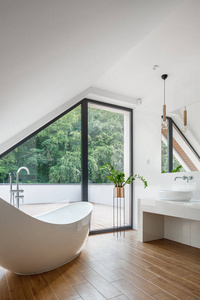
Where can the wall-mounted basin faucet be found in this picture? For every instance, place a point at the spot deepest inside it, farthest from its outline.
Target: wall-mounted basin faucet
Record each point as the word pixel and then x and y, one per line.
pixel 188 178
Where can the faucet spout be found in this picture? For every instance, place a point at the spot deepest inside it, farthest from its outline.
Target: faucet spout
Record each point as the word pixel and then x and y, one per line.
pixel 188 178
pixel 177 178
pixel 18 171
pixel 23 168
pixel 17 190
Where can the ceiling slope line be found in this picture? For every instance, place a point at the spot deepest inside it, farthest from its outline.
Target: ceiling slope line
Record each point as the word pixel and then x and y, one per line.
pixel 90 93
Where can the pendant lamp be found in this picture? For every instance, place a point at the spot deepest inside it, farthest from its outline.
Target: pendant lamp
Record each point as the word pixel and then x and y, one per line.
pixel 185 127
pixel 164 123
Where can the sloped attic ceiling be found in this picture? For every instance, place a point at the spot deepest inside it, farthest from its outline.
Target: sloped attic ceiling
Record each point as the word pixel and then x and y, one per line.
pixel 174 45
pixel 51 51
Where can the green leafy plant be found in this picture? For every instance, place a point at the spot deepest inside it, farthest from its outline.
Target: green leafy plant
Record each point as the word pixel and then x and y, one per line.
pixel 177 169
pixel 118 178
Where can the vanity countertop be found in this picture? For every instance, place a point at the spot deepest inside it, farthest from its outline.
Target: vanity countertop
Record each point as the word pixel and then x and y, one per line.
pixel 187 210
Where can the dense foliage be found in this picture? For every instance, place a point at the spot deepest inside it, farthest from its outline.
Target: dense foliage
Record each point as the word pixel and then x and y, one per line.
pixel 54 154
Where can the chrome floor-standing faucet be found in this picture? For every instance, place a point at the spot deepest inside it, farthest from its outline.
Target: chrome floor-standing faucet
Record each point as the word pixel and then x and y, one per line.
pixel 17 191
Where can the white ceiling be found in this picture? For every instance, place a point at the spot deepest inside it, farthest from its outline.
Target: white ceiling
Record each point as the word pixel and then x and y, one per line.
pixel 174 45
pixel 51 51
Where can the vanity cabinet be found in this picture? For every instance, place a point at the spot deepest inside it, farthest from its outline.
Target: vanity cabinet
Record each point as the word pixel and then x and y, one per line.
pixel 177 221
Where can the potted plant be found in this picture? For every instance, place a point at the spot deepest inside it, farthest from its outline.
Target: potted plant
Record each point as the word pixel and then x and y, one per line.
pixel 118 178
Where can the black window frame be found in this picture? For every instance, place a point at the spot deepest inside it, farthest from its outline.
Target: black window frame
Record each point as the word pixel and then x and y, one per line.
pixel 84 149
pixel 172 124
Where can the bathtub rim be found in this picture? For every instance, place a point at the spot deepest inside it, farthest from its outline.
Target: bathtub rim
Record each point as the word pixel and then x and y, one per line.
pixel 45 222
pixel 60 208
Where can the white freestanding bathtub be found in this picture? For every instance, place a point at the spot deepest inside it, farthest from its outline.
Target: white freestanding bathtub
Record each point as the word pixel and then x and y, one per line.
pixel 31 245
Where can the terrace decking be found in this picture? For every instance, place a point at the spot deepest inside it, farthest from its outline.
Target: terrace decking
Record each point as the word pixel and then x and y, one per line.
pixel 101 216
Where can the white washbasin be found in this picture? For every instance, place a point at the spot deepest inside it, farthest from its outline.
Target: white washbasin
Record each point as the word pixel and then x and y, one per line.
pixel 168 195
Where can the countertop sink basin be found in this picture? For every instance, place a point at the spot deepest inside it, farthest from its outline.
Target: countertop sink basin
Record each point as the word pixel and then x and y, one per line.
pixel 168 195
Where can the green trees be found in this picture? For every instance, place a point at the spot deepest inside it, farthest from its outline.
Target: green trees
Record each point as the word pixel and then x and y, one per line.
pixel 164 156
pixel 177 167
pixel 105 142
pixel 54 154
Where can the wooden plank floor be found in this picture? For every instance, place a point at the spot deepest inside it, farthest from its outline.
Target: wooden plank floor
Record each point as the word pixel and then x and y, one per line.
pixel 114 268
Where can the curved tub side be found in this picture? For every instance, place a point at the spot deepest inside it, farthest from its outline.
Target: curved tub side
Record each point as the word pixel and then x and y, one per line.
pixel 72 212
pixel 29 246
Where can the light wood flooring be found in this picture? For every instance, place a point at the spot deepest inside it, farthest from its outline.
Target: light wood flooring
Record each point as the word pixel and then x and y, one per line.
pixel 114 268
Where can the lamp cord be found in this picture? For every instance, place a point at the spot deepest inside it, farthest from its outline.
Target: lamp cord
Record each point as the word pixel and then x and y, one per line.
pixel 164 92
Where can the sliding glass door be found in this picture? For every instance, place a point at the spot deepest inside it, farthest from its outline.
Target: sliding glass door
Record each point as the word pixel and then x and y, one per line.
pixel 109 140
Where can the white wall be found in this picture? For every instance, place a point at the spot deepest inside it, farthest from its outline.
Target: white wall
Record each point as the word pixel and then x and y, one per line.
pixel 146 153
pixel 147 141
pixel 53 193
pixel 44 193
pixel 100 193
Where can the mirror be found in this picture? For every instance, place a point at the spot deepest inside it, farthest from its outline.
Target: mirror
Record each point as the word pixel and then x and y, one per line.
pixel 180 151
